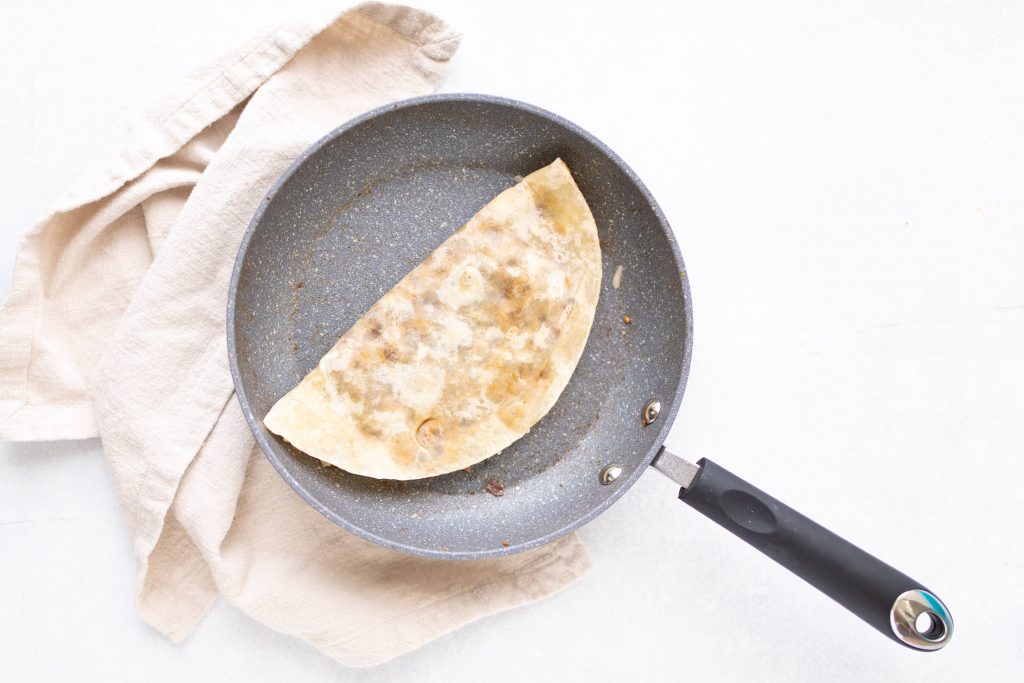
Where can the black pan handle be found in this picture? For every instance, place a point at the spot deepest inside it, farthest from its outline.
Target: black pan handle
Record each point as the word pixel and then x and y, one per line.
pixel 884 597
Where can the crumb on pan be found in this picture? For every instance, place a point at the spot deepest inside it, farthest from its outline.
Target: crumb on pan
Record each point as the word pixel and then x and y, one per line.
pixel 617 277
pixel 495 487
pixel 626 319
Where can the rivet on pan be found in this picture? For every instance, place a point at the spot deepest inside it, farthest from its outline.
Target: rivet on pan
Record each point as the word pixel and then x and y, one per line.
pixel 651 412
pixel 610 473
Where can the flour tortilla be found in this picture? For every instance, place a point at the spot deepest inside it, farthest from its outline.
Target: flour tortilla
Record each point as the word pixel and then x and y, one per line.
pixel 468 351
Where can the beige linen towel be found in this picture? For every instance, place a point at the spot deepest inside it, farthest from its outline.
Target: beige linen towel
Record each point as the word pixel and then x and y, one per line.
pixel 115 328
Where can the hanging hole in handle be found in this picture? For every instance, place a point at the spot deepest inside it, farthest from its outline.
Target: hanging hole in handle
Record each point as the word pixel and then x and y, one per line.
pixel 920 620
pixel 929 626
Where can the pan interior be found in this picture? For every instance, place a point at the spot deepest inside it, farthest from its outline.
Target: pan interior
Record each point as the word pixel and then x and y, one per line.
pixel 364 208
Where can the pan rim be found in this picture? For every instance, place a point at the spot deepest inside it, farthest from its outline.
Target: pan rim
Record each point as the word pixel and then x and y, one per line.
pixel 620 487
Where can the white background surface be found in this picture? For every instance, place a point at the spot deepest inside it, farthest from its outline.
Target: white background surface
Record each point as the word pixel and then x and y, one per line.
pixel 847 186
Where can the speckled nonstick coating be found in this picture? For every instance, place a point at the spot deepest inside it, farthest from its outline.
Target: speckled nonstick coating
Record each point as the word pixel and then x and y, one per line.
pixel 367 203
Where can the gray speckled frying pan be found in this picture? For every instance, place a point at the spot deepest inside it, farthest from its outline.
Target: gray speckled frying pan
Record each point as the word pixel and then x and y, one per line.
pixel 367 203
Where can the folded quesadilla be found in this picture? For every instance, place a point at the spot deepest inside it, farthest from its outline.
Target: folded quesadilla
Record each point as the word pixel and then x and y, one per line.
pixel 465 354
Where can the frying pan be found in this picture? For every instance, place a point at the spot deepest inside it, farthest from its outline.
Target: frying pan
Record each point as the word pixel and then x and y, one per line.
pixel 367 203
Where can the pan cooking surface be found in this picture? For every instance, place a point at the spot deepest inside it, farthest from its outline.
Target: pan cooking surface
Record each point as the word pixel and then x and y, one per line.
pixel 367 204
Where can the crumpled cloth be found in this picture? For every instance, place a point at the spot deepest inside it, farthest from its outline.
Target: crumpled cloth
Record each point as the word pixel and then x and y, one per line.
pixel 115 328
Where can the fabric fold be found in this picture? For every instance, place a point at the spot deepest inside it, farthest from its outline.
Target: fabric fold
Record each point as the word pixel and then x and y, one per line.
pixel 115 327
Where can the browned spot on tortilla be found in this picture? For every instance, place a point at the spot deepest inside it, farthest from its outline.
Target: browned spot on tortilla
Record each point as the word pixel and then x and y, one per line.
pixel 509 382
pixel 554 205
pixel 403 450
pixel 512 303
pixel 496 391
pixel 512 287
pixel 513 414
pixel 489 224
pixel 429 297
pixel 368 427
pixel 389 352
